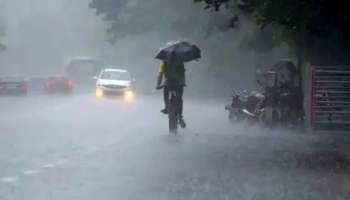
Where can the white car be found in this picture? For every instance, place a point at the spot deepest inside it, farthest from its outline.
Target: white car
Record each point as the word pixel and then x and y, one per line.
pixel 114 82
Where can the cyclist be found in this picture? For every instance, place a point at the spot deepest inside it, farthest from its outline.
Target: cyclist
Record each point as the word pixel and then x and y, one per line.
pixel 173 72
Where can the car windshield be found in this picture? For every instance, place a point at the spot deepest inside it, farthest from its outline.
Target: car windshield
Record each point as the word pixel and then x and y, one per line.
pixel 116 75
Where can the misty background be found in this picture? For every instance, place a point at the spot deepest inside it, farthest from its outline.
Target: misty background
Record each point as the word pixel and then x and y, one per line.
pixel 76 146
pixel 40 36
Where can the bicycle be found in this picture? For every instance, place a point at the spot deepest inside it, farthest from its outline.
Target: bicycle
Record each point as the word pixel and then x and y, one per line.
pixel 173 113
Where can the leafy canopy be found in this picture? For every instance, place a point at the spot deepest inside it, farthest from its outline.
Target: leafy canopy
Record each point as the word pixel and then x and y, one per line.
pixel 135 17
pixel 316 17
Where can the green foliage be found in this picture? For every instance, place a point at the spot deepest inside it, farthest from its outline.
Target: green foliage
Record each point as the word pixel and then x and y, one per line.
pixel 134 17
pixel 311 25
pixel 215 4
pixel 2 35
pixel 317 18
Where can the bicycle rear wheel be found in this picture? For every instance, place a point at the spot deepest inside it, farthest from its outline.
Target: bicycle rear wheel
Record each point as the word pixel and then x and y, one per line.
pixel 172 115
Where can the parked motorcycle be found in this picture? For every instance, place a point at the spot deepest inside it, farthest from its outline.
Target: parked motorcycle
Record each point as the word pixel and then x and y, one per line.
pixel 244 107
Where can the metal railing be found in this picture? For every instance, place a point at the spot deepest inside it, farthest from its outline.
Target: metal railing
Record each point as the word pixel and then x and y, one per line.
pixel 330 98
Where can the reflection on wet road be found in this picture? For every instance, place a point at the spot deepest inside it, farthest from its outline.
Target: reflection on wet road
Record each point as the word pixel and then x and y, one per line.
pixel 77 147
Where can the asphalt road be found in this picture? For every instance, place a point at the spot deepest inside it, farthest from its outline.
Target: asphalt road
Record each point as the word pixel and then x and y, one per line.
pixel 74 147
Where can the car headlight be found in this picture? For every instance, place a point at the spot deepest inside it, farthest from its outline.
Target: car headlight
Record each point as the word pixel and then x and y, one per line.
pixel 129 96
pixel 99 93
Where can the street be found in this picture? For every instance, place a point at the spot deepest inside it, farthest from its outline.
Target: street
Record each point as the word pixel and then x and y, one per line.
pixel 77 147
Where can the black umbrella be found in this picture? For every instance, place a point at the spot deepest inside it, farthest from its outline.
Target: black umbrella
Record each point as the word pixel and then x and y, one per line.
pixel 182 51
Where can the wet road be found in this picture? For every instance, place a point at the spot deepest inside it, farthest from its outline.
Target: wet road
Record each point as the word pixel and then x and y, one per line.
pixel 76 147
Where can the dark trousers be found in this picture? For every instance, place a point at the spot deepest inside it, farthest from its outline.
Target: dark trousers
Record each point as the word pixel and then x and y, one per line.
pixel 179 94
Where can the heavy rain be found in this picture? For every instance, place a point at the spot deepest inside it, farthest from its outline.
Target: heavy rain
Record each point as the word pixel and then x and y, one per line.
pixel 174 100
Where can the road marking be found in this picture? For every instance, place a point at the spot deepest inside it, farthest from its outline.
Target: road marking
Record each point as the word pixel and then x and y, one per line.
pixel 49 166
pixel 10 179
pixel 59 162
pixel 30 172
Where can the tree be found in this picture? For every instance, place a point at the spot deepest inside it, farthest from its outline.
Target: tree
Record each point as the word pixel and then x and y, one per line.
pixel 136 17
pixel 317 17
pixel 2 34
pixel 306 25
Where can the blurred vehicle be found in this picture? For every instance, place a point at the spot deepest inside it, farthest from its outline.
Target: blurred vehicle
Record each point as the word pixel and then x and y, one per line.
pixel 58 84
pixel 13 85
pixel 245 106
pixel 36 83
pixel 114 82
pixel 81 69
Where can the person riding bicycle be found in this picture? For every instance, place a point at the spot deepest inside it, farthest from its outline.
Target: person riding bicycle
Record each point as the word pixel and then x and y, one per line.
pixel 173 72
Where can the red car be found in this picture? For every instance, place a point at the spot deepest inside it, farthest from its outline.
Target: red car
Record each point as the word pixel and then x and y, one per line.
pixel 58 84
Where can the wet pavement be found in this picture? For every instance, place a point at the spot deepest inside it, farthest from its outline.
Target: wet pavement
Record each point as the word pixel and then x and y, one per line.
pixel 78 147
